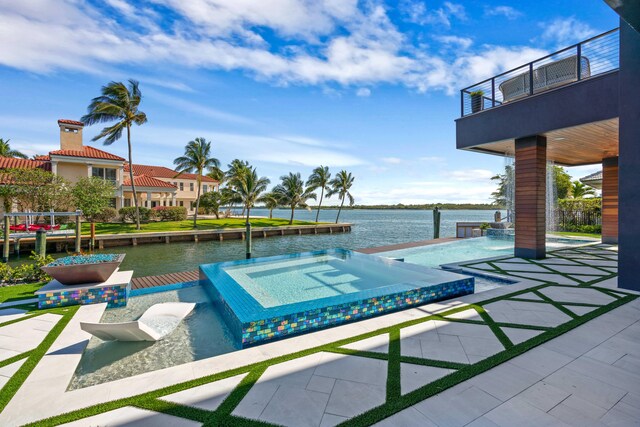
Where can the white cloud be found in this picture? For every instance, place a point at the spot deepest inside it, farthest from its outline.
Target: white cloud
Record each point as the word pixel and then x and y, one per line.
pixel 363 92
pixel 418 13
pixel 477 175
pixel 506 11
pixel 562 32
pixel 392 160
pixel 432 159
pixel 326 43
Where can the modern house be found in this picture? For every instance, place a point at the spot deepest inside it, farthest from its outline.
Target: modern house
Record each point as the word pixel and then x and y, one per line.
pixel 155 185
pixel 577 106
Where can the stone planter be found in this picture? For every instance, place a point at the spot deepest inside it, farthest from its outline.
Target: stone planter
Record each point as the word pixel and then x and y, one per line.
pixel 73 273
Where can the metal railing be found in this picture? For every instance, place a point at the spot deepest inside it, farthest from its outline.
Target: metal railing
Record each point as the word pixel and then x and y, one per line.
pixel 589 58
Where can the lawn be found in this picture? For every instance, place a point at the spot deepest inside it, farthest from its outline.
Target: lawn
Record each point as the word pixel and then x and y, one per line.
pixel 187 225
pixel 574 234
pixel 18 292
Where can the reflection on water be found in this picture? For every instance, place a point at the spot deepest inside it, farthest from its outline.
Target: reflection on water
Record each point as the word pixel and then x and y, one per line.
pixel 202 334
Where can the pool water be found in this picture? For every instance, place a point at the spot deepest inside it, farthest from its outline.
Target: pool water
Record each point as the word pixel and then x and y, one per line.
pixel 467 250
pixel 202 334
pixel 296 280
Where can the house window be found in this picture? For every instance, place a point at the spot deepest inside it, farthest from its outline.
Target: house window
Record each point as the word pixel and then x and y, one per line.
pixel 164 203
pixel 181 203
pixel 127 203
pixel 170 202
pixel 112 202
pixel 107 174
pixel 191 186
pixel 182 186
pixel 204 188
pixel 192 205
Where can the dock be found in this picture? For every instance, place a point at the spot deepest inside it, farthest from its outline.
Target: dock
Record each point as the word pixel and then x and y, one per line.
pixel 66 243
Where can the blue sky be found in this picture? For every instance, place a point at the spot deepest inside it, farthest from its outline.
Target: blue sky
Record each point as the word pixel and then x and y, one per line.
pixel 368 86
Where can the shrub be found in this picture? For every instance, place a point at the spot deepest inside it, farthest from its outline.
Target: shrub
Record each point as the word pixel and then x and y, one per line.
pixel 591 229
pixel 129 214
pixel 28 272
pixel 108 214
pixel 171 213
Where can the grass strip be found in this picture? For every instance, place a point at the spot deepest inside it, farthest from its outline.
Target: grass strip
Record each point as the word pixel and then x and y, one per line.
pixel 520 326
pixel 15 358
pixel 537 301
pixel 393 365
pixel 358 353
pixel 14 383
pixel 241 390
pixel 20 319
pixel 499 333
pixel 608 292
pixel 560 307
pixel 391 407
pixel 176 410
pixel 432 362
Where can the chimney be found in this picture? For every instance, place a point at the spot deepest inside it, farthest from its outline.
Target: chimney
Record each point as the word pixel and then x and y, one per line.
pixel 70 134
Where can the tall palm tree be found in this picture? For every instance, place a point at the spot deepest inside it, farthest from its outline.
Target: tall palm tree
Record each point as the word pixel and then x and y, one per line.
pixel 249 188
pixel 319 178
pixel 120 103
pixel 217 174
pixel 292 193
pixel 236 168
pixel 341 185
pixel 271 201
pixel 6 151
pixel 580 190
pixel 196 159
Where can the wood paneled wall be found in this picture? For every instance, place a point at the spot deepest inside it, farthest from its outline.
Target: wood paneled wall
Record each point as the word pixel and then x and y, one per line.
pixel 610 200
pixel 531 173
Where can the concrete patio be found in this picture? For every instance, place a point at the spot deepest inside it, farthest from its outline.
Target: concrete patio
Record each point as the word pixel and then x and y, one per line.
pixel 470 361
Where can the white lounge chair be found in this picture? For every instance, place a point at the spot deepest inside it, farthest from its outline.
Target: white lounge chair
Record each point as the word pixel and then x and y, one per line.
pixel 156 322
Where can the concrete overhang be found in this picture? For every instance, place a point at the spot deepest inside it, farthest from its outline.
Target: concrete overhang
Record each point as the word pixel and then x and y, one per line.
pixel 580 122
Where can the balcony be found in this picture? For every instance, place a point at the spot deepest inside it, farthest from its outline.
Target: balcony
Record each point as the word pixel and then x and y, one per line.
pixel 585 60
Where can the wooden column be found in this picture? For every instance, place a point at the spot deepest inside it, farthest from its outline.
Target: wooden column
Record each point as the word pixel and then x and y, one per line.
pixel 531 174
pixel 610 200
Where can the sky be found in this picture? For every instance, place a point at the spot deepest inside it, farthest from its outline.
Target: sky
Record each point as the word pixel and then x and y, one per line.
pixel 368 86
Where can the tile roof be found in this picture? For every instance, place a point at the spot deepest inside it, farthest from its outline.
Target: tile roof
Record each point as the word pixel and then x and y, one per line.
pixel 14 163
pixel 147 181
pixel 70 122
pixel 596 176
pixel 87 152
pixel 164 172
pixel 44 157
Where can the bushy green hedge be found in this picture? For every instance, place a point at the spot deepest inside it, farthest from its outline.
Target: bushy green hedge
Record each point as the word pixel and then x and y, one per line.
pixel 107 215
pixel 129 214
pixel 590 205
pixel 171 213
pixel 592 229
pixel 580 215
pixel 28 272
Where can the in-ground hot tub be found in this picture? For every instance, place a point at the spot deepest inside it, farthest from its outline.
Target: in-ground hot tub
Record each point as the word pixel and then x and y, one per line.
pixel 263 299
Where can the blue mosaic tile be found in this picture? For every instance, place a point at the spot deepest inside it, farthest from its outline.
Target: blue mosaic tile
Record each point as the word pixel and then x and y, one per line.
pixel 115 296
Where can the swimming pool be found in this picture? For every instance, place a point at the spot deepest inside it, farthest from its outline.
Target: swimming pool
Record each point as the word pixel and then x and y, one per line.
pixel 273 297
pixel 202 334
pixel 468 250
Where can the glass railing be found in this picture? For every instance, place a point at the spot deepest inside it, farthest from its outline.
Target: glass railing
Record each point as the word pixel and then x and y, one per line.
pixel 597 55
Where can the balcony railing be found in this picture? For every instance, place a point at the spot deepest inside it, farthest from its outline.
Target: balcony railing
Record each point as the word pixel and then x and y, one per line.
pixel 597 55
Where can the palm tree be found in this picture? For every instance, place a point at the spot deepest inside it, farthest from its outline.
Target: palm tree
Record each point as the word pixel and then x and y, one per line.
pixel 319 178
pixel 217 174
pixel 237 167
pixel 271 201
pixel 292 193
pixel 118 103
pixel 249 187
pixel 341 185
pixel 6 151
pixel 580 190
pixel 196 159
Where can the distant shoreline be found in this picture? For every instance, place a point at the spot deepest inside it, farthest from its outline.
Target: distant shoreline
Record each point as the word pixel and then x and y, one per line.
pixel 441 206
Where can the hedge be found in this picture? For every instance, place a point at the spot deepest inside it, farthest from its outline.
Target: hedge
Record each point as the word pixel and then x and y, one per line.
pixel 129 214
pixel 170 213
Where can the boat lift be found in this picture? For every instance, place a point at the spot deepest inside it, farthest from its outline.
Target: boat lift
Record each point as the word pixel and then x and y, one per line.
pixel 33 233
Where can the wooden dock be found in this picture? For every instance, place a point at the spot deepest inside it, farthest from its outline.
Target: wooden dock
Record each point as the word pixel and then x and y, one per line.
pixel 65 243
pixel 164 279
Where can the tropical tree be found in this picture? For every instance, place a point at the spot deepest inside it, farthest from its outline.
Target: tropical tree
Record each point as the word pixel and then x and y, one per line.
pixel 341 185
pixel 196 159
pixel 292 193
pixel 563 182
pixel 249 188
pixel 580 190
pixel 212 202
pixel 319 178
pixel 237 167
pixel 119 103
pixel 6 151
pixel 92 195
pixel 271 201
pixel 217 174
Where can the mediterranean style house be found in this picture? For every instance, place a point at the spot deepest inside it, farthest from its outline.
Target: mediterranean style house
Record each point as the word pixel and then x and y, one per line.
pixel 155 185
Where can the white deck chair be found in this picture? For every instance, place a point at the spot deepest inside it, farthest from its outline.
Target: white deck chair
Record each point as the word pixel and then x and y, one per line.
pixel 156 322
